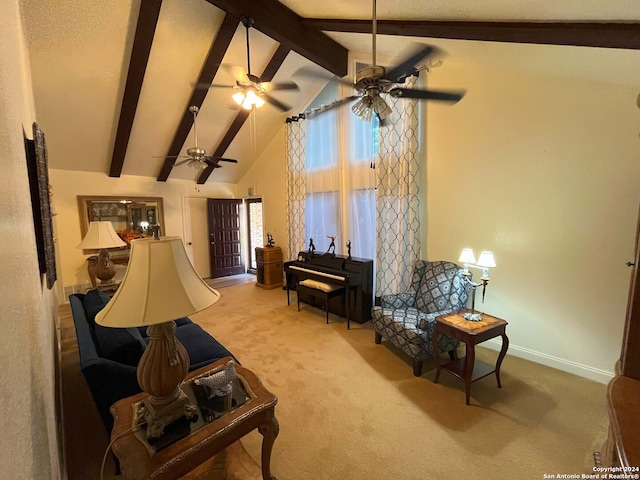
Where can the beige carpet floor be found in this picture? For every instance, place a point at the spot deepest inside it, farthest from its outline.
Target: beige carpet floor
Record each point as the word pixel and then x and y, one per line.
pixel 351 409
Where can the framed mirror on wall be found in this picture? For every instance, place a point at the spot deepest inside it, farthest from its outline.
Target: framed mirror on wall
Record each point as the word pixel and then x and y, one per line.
pixel 132 217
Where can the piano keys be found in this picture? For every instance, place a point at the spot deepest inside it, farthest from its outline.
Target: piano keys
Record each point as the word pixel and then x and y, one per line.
pixel 356 274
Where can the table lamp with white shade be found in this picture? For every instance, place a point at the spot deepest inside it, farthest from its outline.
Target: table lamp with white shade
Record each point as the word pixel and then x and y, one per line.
pixel 101 235
pixel 485 261
pixel 159 286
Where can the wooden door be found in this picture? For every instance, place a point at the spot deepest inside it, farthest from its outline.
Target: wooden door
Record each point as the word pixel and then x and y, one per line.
pixel 224 237
pixel 630 357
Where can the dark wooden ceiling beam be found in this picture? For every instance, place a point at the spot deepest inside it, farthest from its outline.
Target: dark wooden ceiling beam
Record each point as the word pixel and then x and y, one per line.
pixel 583 34
pixel 287 28
pixel 207 73
pixel 145 30
pixel 268 74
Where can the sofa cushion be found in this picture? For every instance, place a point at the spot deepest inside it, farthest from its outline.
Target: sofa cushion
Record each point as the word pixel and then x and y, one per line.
pixel 122 345
pixel 199 344
pixel 93 302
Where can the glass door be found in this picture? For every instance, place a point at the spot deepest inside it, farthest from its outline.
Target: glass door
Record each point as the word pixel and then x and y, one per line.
pixel 255 230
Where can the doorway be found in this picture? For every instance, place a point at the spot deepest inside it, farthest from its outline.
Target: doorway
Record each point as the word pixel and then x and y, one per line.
pixel 225 253
pixel 255 231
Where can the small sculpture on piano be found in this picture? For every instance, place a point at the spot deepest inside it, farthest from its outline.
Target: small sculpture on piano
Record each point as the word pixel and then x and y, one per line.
pixel 332 245
pixel 270 242
pixel 312 247
pixel 348 249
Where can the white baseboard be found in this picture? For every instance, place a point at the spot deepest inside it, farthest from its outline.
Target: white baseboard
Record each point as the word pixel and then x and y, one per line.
pixel 568 366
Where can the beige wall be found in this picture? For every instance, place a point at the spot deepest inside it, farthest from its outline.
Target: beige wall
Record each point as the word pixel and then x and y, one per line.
pixel 67 185
pixel 267 180
pixel 544 172
pixel 29 444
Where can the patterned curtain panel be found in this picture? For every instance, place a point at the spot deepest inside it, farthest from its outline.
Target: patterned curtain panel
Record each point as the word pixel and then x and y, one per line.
pixel 397 200
pixel 295 186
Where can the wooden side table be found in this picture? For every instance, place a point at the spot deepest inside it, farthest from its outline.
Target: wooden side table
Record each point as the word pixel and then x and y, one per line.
pixel 138 461
pixel 471 333
pixel 269 262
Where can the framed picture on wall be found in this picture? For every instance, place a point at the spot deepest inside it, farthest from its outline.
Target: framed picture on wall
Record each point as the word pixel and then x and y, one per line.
pixel 38 170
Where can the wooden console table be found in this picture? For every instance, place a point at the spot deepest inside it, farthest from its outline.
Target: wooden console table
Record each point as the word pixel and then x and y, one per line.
pixel 471 333
pixel 186 454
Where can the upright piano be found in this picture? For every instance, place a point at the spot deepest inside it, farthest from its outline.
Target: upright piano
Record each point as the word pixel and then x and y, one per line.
pixel 355 274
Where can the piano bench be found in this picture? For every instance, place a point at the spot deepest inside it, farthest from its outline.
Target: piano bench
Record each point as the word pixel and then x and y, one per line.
pixel 322 290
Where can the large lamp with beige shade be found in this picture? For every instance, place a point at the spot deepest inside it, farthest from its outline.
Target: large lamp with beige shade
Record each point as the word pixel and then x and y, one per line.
pixel 159 286
pixel 101 235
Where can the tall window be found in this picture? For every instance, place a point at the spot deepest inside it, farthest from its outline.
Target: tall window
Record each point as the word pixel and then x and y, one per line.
pixel 340 183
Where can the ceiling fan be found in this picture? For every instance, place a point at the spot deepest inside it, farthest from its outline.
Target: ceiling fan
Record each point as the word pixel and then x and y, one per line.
pixel 251 91
pixel 197 157
pixel 373 81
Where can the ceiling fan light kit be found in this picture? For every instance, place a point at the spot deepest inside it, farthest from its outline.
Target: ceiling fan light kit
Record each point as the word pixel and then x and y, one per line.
pixel 248 99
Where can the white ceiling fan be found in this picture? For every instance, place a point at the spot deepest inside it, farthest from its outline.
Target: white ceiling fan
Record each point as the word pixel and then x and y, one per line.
pixel 197 157
pixel 373 81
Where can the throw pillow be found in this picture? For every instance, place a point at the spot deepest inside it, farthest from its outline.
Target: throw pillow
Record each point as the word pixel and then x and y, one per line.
pixel 93 302
pixel 122 345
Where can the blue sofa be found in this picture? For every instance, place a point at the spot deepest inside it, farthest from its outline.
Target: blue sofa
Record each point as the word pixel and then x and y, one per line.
pixel 109 356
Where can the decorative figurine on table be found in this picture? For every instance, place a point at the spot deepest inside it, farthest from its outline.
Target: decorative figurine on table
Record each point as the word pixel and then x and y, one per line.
pixel 220 383
pixel 312 247
pixel 270 242
pixel 332 245
pixel 213 392
pixel 349 249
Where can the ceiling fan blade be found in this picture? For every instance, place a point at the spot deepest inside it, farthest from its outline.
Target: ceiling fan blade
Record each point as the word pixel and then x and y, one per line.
pixel 331 106
pixel 452 97
pixel 219 159
pixel 203 86
pixel 182 162
pixel 269 86
pixel 238 73
pixel 276 103
pixel 253 78
pixel 407 66
pixel 314 73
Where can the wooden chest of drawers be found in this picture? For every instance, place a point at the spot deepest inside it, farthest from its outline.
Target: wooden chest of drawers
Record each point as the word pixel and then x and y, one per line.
pixel 270 272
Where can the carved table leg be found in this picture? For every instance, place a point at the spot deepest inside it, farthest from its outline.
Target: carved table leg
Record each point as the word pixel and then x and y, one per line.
pixel 503 352
pixel 470 360
pixel 269 433
pixel 434 341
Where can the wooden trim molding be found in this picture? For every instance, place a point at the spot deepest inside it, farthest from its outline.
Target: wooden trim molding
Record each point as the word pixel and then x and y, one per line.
pixel 582 34
pixel 288 28
pixel 145 31
pixel 207 73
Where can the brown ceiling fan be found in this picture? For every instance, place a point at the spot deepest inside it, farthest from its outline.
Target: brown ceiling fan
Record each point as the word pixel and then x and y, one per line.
pixel 197 157
pixel 250 90
pixel 373 81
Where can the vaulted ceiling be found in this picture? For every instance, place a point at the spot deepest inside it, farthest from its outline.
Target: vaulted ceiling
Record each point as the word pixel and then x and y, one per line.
pixel 113 81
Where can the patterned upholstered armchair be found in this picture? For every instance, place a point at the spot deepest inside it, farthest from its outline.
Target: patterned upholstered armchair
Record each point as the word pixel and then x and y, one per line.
pixel 407 320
